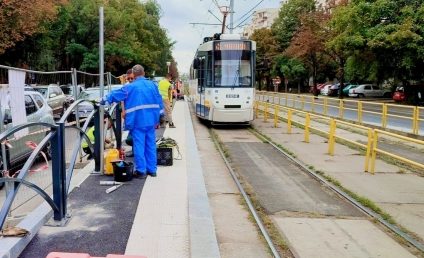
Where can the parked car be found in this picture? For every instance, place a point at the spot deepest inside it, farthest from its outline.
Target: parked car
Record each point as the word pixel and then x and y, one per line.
pixel 68 90
pixel 348 87
pixel 37 110
pixel 369 90
pixel 325 90
pixel 334 89
pixel 55 98
pixel 412 94
pixel 91 94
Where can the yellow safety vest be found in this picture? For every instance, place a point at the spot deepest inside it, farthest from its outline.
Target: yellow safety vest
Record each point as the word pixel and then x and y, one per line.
pixel 164 88
pixel 90 134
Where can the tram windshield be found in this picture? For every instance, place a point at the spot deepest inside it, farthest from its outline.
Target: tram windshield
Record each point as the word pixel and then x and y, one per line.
pixel 233 68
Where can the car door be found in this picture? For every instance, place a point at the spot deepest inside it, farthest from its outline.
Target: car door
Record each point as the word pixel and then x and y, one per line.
pixel 54 100
pixel 19 148
pixel 368 91
pixel 377 91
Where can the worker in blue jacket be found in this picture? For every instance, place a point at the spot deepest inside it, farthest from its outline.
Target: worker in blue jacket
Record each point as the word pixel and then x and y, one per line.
pixel 143 106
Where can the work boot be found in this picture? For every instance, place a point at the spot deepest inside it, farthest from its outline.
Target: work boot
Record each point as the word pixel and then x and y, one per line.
pixel 171 125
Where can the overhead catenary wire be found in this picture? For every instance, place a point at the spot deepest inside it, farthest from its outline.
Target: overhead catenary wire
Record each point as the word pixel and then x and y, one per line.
pixel 247 13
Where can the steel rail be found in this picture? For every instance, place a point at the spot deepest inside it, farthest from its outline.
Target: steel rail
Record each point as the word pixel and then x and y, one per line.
pixel 246 198
pixel 358 205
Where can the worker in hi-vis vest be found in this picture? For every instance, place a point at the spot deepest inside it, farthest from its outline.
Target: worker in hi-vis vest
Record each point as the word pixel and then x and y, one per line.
pixel 165 89
pixel 92 138
pixel 143 106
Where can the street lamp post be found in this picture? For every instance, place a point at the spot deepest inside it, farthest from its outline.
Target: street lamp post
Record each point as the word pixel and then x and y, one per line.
pixel 168 64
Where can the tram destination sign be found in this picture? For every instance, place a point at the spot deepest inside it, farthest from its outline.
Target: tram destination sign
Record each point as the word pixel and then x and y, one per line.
pixel 232 45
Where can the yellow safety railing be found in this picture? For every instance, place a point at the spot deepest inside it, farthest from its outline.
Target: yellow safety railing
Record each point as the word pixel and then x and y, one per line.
pixel 332 136
pixel 371 147
pixel 376 150
pixel 386 112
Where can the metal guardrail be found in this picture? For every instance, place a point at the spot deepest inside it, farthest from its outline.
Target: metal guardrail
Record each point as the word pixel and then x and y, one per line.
pixel 60 177
pixel 371 148
pixel 326 106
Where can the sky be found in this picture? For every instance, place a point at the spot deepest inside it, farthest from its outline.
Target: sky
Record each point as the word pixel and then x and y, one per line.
pixel 178 14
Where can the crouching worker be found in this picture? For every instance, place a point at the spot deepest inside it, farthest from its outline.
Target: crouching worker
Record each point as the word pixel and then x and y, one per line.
pixel 90 133
pixel 143 104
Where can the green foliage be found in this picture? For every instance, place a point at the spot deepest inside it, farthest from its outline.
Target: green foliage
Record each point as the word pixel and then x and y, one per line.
pixel 132 35
pixel 293 69
pixel 288 21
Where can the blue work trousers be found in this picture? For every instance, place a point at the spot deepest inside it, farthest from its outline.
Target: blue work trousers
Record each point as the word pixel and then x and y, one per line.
pixel 144 146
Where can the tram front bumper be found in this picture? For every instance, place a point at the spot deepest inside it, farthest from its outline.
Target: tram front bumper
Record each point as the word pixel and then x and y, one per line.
pixel 232 115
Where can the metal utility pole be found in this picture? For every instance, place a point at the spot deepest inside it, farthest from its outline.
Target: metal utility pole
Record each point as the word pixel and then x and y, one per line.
pixel 231 16
pixel 102 90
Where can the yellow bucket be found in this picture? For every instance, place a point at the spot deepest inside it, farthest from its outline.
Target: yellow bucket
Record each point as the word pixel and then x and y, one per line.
pixel 110 155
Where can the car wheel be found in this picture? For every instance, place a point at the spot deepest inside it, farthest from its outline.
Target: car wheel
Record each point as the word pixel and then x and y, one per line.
pixel 360 95
pixel 387 95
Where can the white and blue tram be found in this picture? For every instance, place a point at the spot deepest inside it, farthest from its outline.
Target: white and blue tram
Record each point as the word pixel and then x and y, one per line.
pixel 222 78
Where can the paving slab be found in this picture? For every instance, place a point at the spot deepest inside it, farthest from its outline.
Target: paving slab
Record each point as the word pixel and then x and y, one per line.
pixel 399 194
pixel 236 234
pixel 335 238
pixel 160 227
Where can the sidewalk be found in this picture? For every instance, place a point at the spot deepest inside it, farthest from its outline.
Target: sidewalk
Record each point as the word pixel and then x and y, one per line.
pixel 165 216
pixel 396 192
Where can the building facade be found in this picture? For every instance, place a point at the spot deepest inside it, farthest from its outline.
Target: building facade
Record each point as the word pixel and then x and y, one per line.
pixel 262 18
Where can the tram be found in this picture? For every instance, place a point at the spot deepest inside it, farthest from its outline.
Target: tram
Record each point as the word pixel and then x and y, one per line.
pixel 222 78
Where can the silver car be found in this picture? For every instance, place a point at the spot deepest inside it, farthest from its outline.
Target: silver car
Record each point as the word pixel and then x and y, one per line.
pixel 37 110
pixel 55 98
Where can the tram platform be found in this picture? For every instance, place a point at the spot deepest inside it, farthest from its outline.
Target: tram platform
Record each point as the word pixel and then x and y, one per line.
pixel 163 216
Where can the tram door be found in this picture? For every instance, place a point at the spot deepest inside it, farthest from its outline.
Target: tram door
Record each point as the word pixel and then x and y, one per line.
pixel 201 110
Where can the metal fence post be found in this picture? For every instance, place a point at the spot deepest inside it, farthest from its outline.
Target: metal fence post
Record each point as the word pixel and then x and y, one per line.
pixel 276 115
pixel 266 112
pixel 307 125
pixel 118 126
pixel 287 99
pixel 302 99
pixel 374 151
pixel 415 120
pixel 341 108
pixel 289 121
pixel 331 137
pixel 325 105
pixel 369 150
pixel 59 172
pixel 360 112
pixel 97 158
pixel 384 116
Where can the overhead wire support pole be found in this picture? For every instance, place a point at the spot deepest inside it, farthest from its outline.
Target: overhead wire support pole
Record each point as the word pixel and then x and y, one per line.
pixel 231 16
pixel 100 140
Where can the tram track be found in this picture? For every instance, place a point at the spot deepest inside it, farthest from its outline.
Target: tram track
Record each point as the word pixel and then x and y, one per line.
pixel 227 153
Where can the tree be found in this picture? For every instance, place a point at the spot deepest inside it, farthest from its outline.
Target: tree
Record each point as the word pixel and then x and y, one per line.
pixel 345 35
pixel 266 51
pixel 288 20
pixel 307 44
pixel 293 69
pixel 132 35
pixel 20 19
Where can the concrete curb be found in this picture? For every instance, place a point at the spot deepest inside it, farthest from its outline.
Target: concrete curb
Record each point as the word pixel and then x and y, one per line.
pixel 203 242
pixel 12 247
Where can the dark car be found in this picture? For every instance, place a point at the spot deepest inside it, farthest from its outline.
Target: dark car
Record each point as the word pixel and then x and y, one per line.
pixel 68 90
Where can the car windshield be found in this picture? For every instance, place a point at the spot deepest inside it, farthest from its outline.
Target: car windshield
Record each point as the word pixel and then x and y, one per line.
pixel 43 91
pixel 68 90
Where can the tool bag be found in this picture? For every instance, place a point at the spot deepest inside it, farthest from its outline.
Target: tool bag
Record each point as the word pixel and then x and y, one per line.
pixel 165 148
